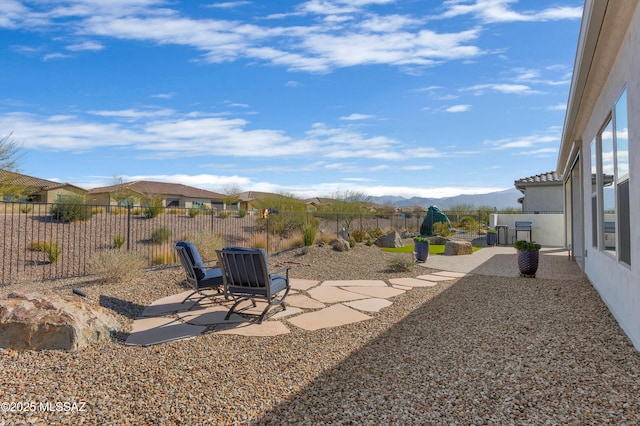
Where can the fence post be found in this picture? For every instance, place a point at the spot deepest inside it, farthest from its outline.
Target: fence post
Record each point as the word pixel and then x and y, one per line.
pixel 128 226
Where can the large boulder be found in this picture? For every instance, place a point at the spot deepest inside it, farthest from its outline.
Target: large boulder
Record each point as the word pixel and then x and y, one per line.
pixel 390 240
pixel 454 248
pixel 35 322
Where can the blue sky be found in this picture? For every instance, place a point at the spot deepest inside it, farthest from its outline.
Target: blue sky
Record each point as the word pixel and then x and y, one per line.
pixel 313 98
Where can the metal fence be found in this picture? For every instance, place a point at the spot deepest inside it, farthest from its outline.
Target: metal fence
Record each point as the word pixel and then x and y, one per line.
pixel 49 244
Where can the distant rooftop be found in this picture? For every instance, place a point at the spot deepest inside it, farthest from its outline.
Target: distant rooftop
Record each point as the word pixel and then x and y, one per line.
pixel 548 178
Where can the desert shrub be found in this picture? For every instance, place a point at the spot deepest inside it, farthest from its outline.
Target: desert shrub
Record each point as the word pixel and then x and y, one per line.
pixel 324 238
pixel 399 264
pixel 153 208
pixel 174 211
pixel 352 242
pixel 26 208
pixel 71 209
pixel 242 213
pixel 260 242
pixel 51 249
pixel 358 235
pixel 207 243
pixel 294 241
pixel 163 255
pixel 374 233
pixel 369 243
pixel 194 211
pixel 160 235
pixel 112 266
pixel 309 234
pixel 468 223
pixel 118 210
pixel 223 214
pixel 441 229
pixel 118 241
pixel 97 210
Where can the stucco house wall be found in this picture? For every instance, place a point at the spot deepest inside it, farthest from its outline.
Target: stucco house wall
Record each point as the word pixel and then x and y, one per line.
pixel 543 199
pixel 608 61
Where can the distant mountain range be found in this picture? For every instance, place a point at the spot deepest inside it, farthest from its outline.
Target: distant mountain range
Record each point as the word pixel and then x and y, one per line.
pixel 500 200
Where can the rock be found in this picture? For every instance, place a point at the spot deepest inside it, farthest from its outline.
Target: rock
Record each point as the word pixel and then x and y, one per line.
pixel 340 244
pixel 454 248
pixel 438 240
pixel 392 239
pixel 35 322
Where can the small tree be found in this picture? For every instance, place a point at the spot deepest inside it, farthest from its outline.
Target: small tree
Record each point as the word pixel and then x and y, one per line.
pixel 9 153
pixel 231 194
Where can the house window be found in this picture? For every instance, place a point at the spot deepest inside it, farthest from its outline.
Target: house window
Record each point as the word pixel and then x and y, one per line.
pixel 606 183
pixel 610 185
pixel 621 136
pixel 594 194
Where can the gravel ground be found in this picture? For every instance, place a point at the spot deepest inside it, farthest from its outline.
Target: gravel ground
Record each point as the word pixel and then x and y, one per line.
pixel 476 350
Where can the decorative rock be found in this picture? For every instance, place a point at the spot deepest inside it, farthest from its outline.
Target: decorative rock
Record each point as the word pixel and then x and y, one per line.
pixel 439 240
pixel 454 248
pixel 340 244
pixel 36 322
pixel 392 239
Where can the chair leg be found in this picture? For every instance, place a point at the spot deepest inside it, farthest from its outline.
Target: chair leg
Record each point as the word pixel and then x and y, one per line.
pixel 235 305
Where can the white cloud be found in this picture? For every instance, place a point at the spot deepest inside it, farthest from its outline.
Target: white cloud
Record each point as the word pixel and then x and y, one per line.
pixel 458 108
pixel 355 117
pixel 552 135
pixel 86 45
pixel 493 11
pixel 511 89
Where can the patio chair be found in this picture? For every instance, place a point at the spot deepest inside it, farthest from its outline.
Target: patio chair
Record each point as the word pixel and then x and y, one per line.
pixel 198 275
pixel 246 277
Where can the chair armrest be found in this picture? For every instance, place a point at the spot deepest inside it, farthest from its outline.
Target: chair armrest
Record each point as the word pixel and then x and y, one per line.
pixel 286 269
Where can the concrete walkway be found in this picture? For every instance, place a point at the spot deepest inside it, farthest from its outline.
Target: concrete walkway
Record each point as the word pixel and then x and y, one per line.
pixel 314 305
pixel 501 261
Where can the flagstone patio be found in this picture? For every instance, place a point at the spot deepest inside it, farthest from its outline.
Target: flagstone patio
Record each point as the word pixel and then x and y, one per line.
pixel 311 305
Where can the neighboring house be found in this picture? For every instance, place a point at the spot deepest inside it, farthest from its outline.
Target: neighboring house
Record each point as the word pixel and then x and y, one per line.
pixel 249 200
pixel 599 158
pixel 16 187
pixel 316 203
pixel 139 193
pixel 542 193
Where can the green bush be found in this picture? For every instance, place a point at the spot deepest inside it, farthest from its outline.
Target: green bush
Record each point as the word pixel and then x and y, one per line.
pixel 309 234
pixel 153 208
pixel 194 211
pixel 118 241
pixel 374 233
pixel 441 229
pixel 242 213
pixel 524 245
pixel 26 208
pixel 71 209
pixel 160 235
pixel 358 235
pixel 53 252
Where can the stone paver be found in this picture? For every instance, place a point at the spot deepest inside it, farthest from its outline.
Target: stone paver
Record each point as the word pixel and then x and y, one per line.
pixel 354 283
pixel 412 282
pixel 300 284
pixel 153 331
pixel 379 292
pixel 333 294
pixel 302 301
pixel 267 328
pixel 332 316
pixel 434 278
pixel 369 305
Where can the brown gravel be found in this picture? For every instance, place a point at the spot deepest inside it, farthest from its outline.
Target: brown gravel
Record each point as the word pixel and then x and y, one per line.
pixel 477 350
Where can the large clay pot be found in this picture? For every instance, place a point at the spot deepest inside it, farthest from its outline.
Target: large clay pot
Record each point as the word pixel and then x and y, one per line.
pixel 528 262
pixel 422 251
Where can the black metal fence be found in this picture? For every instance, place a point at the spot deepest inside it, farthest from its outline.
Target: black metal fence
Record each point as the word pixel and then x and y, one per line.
pixel 51 242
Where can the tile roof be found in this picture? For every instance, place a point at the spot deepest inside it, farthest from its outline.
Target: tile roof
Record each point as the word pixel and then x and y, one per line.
pixel 13 178
pixel 548 178
pixel 159 188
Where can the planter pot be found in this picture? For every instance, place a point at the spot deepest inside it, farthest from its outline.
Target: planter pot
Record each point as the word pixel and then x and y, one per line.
pixel 421 251
pixel 528 262
pixel 492 239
